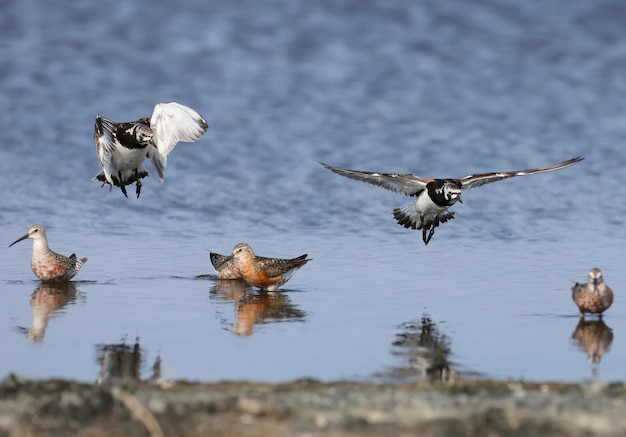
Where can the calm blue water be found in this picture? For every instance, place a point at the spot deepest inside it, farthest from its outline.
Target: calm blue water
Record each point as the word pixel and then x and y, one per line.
pixel 439 89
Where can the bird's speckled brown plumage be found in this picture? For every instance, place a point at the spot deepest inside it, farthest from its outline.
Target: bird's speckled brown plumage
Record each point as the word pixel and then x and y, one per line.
pixel 265 273
pixel 46 264
pixel 595 296
pixel 225 266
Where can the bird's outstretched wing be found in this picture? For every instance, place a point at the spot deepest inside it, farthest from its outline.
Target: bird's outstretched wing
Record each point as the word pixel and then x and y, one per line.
pixel 172 122
pixel 399 183
pixel 104 135
pixel 473 181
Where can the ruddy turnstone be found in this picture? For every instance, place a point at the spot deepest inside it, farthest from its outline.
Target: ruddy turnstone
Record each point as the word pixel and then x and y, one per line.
pixel 48 265
pixel 265 273
pixel 122 147
pixel 225 266
pixel 594 297
pixel 433 196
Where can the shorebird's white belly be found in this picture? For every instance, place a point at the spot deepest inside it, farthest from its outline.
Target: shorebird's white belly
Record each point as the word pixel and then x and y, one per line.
pixel 426 206
pixel 124 159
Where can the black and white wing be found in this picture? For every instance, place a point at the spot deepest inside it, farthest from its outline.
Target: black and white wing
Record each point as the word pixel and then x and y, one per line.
pixel 172 122
pixel 105 137
pixel 473 181
pixel 406 184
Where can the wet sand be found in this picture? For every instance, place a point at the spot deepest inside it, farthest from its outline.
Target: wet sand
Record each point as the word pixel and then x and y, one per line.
pixel 307 407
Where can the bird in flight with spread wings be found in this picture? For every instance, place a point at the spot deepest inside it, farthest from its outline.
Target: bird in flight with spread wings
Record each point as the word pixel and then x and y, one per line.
pixel 122 147
pixel 434 197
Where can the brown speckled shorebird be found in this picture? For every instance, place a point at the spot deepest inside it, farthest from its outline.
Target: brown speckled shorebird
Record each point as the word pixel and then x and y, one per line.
pixel 265 273
pixel 594 297
pixel 225 266
pixel 47 265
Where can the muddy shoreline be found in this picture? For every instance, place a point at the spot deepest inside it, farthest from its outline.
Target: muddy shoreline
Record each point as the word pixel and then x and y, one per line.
pixel 311 408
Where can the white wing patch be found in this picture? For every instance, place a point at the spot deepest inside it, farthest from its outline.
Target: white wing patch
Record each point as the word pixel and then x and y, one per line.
pixel 172 122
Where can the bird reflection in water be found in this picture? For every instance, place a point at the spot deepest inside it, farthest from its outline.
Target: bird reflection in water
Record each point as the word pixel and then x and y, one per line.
pixel 122 362
pixel 425 353
pixel 48 301
pixel 252 307
pixel 593 337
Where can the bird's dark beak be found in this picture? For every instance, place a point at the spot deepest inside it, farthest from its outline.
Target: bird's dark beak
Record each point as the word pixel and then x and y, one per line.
pixel 595 284
pixel 459 199
pixel 19 239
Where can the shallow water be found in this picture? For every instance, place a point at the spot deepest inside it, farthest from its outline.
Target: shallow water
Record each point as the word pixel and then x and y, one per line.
pixel 436 89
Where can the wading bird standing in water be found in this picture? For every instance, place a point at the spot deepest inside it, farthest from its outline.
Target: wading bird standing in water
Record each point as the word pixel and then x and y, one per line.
pixel 47 265
pixel 265 273
pixel 594 297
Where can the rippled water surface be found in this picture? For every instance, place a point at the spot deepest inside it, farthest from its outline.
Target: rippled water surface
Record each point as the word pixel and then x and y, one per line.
pixel 438 89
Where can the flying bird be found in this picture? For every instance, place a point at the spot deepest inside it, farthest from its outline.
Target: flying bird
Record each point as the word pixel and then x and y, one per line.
pixel 122 147
pixel 433 197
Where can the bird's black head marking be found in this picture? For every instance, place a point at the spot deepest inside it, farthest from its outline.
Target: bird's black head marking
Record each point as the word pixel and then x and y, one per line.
pixel 444 192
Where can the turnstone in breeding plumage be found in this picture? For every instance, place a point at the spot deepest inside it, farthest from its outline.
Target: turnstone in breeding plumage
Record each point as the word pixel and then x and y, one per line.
pixel 122 147
pixel 595 296
pixel 433 196
pixel 265 273
pixel 47 265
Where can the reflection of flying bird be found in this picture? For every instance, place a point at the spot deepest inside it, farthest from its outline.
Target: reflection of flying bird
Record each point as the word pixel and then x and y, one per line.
pixel 425 353
pixel 433 196
pixel 225 266
pixel 122 147
pixel 594 337
pixel 46 264
pixel 594 297
pixel 119 362
pixel 265 273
